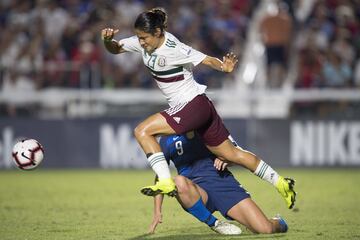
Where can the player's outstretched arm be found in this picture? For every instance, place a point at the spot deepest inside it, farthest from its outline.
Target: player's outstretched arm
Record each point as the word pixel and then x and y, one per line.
pixel 113 46
pixel 227 65
pixel 157 217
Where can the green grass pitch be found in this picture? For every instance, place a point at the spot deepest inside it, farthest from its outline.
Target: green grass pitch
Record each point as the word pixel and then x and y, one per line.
pixel 107 204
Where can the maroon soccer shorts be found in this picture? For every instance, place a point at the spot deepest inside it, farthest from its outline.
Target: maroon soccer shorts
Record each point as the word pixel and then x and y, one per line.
pixel 199 115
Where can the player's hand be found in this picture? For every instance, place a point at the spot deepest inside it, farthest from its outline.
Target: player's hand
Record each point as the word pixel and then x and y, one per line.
pixel 229 62
pixel 107 34
pixel 220 165
pixel 156 220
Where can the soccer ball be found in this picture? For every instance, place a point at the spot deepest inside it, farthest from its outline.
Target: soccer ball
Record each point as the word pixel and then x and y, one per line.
pixel 27 154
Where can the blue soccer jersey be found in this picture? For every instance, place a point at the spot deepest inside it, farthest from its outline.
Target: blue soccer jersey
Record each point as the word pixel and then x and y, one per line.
pixel 188 154
pixel 193 160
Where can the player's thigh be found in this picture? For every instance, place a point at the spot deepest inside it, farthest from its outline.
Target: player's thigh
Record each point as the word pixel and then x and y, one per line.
pixel 198 189
pixel 249 214
pixel 202 192
pixel 226 150
pixel 156 124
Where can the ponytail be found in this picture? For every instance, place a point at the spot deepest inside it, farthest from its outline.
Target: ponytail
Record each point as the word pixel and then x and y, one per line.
pixel 150 20
pixel 161 15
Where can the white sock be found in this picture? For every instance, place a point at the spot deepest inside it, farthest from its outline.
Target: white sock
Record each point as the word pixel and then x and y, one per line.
pixel 159 165
pixel 265 172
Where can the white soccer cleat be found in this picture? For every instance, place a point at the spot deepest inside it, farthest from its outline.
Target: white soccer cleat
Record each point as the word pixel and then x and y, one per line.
pixel 226 228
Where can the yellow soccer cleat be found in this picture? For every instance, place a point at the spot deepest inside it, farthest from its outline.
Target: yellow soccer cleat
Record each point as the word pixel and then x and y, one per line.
pixel 163 186
pixel 285 187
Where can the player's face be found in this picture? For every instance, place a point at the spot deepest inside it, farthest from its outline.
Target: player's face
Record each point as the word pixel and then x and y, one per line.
pixel 148 41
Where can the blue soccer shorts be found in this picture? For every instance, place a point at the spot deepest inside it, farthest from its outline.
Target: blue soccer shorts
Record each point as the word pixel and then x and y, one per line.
pixel 224 192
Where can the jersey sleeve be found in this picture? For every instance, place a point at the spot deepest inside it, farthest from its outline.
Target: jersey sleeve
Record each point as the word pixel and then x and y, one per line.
pixel 188 55
pixel 131 44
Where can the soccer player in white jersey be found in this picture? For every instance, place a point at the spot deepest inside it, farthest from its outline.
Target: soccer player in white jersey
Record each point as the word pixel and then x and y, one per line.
pixel 171 62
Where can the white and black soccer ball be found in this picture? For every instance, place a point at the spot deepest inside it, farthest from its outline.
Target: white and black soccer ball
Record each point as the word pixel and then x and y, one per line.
pixel 27 154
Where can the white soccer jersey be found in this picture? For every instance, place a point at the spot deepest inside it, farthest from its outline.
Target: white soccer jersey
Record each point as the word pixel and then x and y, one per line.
pixel 171 66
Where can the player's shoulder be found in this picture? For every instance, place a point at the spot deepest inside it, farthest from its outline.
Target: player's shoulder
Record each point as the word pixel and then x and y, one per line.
pixel 171 40
pixel 173 43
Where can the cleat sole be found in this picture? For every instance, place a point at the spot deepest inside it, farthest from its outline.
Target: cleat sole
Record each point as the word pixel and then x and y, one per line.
pixel 291 187
pixel 173 193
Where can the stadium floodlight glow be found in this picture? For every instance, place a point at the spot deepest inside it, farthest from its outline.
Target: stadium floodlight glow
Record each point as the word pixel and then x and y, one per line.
pixel 250 73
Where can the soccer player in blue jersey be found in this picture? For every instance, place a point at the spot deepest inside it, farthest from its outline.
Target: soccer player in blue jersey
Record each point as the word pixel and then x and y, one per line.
pixel 204 188
pixel 171 63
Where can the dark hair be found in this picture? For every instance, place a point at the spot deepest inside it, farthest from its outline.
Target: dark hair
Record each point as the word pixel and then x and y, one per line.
pixel 150 20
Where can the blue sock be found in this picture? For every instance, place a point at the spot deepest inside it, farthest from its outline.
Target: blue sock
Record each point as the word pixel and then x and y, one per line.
pixel 283 225
pixel 199 211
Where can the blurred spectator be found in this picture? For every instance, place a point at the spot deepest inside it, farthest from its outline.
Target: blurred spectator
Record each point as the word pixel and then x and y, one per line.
pixel 336 72
pixel 15 87
pixel 342 46
pixel 357 74
pixel 85 58
pixel 276 31
pixel 55 19
pixel 310 67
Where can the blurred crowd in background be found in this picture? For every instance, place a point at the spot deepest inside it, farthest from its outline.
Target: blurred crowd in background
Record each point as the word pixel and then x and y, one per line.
pixel 329 51
pixel 330 46
pixel 40 37
pixel 49 43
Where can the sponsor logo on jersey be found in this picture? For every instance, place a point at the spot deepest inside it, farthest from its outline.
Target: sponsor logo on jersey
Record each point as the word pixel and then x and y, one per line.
pixel 177 119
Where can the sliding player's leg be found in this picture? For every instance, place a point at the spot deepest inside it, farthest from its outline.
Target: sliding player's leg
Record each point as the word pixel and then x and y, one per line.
pixel 250 215
pixel 145 134
pixel 193 199
pixel 228 151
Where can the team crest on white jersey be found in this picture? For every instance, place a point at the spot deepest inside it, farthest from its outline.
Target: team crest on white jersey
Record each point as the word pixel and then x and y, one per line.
pixel 162 61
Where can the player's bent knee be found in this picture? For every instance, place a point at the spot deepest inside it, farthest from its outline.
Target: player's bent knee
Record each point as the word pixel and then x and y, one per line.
pixel 181 184
pixel 139 132
pixel 180 181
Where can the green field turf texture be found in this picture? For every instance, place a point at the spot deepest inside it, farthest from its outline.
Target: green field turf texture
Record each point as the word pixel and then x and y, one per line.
pixel 102 204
